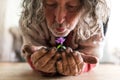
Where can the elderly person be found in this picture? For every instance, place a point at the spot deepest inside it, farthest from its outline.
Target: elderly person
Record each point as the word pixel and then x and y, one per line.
pixel 79 22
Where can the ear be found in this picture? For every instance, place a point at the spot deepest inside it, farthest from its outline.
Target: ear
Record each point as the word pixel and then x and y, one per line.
pixel 90 59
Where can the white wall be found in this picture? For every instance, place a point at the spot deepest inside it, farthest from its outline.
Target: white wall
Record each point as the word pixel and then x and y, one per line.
pixel 2 21
pixel 11 20
pixel 112 47
pixel 13 12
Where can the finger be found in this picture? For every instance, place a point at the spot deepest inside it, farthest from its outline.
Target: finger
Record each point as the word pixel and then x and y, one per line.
pixel 38 54
pixel 89 59
pixel 69 50
pixel 43 60
pixel 60 67
pixel 66 69
pixel 72 64
pixel 27 49
pixel 78 60
pixel 30 48
pixel 50 66
pixel 52 70
pixel 48 69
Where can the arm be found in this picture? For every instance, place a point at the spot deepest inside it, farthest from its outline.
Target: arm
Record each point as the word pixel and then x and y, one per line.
pixel 83 59
pixel 35 49
pixel 92 47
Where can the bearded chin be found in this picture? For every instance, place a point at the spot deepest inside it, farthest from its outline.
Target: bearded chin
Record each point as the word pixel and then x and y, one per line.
pixel 64 35
pixel 59 35
pixel 56 34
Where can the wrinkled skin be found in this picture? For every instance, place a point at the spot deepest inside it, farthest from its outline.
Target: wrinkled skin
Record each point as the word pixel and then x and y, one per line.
pixel 44 60
pixel 67 62
pixel 61 18
pixel 61 15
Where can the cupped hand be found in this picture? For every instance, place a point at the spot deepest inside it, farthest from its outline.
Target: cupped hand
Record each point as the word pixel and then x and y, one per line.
pixel 72 62
pixel 44 60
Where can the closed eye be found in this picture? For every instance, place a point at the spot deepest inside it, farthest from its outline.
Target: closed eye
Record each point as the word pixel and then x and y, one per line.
pixel 72 8
pixel 52 6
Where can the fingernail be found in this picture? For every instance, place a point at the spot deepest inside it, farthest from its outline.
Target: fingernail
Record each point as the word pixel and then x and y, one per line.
pixel 54 48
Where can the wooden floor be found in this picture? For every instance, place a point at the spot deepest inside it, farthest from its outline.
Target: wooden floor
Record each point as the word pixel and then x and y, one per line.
pixel 22 71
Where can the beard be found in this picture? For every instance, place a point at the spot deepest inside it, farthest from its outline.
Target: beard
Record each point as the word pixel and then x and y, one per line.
pixel 60 30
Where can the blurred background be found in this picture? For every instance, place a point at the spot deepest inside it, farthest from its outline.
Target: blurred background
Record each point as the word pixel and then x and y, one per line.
pixel 11 40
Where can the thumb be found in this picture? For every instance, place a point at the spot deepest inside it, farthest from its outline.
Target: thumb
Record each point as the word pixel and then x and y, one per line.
pixel 90 59
pixel 30 48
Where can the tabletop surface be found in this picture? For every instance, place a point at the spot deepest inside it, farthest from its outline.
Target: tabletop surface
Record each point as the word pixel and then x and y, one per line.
pixel 22 71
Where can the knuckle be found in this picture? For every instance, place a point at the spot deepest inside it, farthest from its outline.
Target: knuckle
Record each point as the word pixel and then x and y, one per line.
pixel 42 50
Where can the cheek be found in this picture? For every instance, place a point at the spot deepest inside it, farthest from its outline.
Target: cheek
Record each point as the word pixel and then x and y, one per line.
pixel 49 15
pixel 72 18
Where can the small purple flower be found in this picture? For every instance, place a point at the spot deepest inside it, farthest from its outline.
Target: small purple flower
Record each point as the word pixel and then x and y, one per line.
pixel 60 40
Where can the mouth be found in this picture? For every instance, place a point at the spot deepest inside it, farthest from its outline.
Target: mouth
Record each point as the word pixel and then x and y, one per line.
pixel 60 29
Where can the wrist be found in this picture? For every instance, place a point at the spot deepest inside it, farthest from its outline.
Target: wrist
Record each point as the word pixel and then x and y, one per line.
pixel 88 67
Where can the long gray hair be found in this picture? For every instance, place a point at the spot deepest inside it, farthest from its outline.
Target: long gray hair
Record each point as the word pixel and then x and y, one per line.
pixel 94 14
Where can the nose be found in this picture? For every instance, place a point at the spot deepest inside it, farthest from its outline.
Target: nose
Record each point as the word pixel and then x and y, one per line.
pixel 60 15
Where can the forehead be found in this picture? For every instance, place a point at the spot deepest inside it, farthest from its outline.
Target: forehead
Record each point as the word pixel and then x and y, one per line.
pixel 63 1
